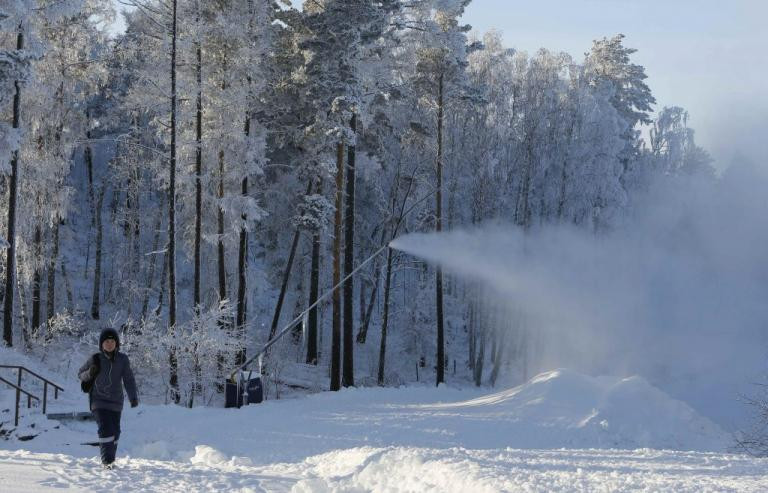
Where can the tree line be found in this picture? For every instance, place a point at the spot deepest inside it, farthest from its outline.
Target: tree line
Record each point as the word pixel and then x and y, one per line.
pixel 219 161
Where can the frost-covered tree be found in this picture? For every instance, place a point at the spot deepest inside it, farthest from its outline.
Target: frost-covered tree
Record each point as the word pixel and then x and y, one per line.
pixel 672 143
pixel 61 38
pixel 441 60
pixel 12 75
pixel 609 62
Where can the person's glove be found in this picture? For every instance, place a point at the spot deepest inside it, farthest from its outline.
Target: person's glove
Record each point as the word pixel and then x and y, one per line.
pixel 134 402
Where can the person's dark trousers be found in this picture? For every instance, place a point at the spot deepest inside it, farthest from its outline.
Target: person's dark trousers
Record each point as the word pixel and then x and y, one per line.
pixel 109 433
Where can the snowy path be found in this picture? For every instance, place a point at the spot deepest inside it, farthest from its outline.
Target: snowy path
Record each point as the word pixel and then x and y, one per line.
pixel 398 469
pixel 559 432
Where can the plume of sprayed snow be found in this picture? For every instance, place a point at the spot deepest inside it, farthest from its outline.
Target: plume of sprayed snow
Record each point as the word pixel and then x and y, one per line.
pixel 678 294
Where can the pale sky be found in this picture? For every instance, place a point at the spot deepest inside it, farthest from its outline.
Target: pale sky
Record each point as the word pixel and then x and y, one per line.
pixel 708 56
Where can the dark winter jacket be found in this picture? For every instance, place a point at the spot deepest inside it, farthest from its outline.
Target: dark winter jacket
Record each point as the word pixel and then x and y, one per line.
pixel 114 371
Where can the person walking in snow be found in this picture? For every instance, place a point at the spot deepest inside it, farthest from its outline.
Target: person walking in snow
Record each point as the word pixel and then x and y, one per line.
pixel 106 372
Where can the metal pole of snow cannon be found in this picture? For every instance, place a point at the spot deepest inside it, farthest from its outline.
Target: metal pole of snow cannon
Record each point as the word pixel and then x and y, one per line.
pixel 287 328
pixel 293 322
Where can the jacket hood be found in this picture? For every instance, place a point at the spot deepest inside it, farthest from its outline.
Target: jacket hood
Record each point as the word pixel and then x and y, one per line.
pixel 105 334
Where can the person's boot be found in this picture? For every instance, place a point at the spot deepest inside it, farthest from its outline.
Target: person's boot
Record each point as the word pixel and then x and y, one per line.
pixel 104 452
pixel 108 451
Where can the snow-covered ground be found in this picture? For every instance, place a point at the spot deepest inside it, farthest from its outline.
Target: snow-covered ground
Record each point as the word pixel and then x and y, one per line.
pixel 397 469
pixel 561 431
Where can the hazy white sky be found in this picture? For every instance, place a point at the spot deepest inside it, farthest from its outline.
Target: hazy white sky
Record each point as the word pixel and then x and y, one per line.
pixel 708 56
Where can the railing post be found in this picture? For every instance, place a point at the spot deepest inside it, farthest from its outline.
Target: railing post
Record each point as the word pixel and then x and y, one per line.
pixel 45 392
pixel 18 399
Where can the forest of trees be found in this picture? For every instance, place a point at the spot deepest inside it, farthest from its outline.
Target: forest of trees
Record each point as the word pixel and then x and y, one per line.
pixel 202 178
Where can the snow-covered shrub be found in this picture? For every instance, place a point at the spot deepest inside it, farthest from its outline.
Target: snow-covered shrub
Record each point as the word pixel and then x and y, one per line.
pixel 145 343
pixel 62 325
pixel 205 348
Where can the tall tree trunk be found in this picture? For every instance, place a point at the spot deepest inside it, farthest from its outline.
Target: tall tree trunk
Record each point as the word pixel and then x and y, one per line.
pixel 110 279
pixel 163 282
pixel 440 362
pixel 135 229
pixel 385 319
pixel 173 363
pixel 88 158
pixel 198 370
pixel 362 334
pixel 480 358
pixel 96 299
pixel 361 304
pixel 50 298
pixel 314 288
pixel 481 322
pixel 242 266
pixel 36 278
pixel 153 261
pixel 472 336
pixel 198 170
pixel 500 335
pixel 23 310
pixel 367 310
pixel 10 253
pixel 222 267
pixel 286 277
pixel 564 179
pixel 348 378
pixel 68 288
pixel 523 208
pixel 336 324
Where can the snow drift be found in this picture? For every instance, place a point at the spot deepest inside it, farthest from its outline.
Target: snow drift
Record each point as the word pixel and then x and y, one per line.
pixel 562 408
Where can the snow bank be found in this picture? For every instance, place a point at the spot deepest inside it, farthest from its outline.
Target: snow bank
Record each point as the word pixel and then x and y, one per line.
pixel 563 408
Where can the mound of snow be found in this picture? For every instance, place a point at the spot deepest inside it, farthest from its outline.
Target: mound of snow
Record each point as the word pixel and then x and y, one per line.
pixel 565 408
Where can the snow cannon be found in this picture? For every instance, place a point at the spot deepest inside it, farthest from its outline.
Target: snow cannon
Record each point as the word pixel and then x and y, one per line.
pixel 246 388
